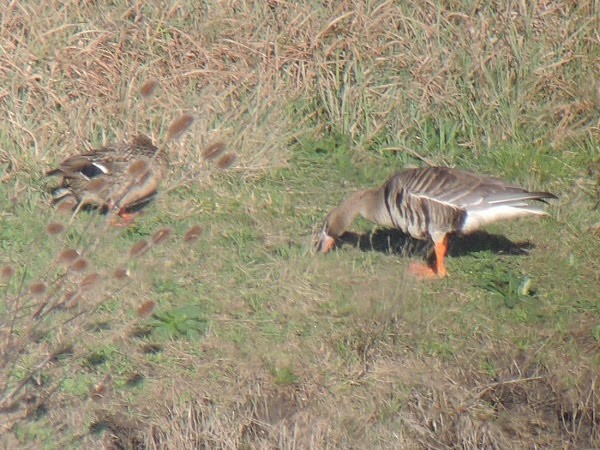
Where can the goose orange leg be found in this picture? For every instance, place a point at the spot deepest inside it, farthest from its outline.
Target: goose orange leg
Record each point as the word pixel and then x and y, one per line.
pixel 423 271
pixel 441 248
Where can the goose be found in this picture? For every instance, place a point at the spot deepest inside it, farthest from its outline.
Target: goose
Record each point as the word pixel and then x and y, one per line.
pixel 121 177
pixel 432 203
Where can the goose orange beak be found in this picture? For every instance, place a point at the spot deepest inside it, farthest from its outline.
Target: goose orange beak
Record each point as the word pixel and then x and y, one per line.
pixel 326 243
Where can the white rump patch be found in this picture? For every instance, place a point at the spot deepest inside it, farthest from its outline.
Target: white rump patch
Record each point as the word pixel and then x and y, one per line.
pixel 479 218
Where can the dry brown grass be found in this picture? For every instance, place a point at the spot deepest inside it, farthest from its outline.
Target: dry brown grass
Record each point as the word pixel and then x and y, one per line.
pixel 238 67
pixel 390 400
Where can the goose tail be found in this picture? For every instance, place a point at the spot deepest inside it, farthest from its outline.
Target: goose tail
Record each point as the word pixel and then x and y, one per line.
pixel 515 198
pixel 505 206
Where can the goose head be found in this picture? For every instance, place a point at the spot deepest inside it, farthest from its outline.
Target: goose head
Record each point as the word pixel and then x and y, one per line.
pixel 363 203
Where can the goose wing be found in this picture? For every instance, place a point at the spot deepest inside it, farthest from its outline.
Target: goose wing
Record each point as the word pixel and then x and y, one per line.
pixel 484 199
pixel 465 189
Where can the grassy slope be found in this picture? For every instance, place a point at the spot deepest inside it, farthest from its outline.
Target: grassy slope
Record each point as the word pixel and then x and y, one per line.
pixel 255 341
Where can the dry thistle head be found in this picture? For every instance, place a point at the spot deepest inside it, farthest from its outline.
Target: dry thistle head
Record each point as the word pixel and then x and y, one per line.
pixel 80 265
pixel 193 233
pixel 213 151
pixel 100 389
pixel 67 256
pixel 55 228
pixel 138 168
pixel 145 309
pixel 139 248
pixel 67 205
pixel 161 236
pixel 89 282
pixel 226 161
pixel 121 273
pixel 37 289
pixel 96 185
pixel 71 299
pixel 7 272
pixel 148 88
pixel 179 126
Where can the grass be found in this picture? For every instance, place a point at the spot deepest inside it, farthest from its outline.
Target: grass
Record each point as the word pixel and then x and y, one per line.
pixel 235 334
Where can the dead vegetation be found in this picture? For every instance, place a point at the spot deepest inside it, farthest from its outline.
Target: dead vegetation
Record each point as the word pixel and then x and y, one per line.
pixel 416 403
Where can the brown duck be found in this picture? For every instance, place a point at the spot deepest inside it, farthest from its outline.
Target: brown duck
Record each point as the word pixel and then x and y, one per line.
pixel 432 202
pixel 117 178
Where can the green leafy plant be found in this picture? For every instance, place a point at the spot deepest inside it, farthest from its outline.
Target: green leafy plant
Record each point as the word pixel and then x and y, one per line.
pixel 511 287
pixel 187 322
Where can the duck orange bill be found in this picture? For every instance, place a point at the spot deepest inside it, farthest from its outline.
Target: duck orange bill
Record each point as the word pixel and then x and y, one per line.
pixel 326 243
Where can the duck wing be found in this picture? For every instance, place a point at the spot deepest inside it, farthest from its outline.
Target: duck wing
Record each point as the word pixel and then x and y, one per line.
pixel 87 165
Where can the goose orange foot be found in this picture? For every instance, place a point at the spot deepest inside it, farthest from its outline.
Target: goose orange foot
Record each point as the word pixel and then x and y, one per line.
pixel 422 271
pixel 123 219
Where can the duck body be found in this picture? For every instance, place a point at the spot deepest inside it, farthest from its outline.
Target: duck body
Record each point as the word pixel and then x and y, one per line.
pixel 433 203
pixel 117 177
